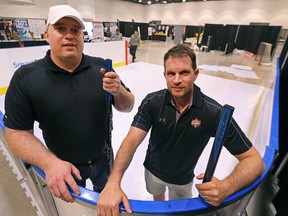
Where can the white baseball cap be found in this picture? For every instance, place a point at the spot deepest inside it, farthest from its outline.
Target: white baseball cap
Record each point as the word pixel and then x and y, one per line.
pixel 58 12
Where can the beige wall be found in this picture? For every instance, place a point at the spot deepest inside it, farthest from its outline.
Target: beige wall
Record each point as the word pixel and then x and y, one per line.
pixel 192 13
pixel 222 12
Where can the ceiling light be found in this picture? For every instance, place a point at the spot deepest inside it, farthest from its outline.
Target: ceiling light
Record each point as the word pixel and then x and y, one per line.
pixel 18 2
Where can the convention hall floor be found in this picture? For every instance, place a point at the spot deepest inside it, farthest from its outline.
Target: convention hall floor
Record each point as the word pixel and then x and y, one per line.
pixel 14 202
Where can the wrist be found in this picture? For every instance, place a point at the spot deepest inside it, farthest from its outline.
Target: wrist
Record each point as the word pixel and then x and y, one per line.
pixel 48 161
pixel 228 187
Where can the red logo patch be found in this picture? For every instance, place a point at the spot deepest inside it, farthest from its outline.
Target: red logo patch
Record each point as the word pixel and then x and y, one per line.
pixel 196 123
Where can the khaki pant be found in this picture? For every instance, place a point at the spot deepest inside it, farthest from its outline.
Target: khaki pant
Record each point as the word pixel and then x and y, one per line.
pixel 156 186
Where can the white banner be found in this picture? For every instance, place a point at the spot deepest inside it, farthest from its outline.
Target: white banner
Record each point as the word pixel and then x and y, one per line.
pixel 98 30
pixel 13 58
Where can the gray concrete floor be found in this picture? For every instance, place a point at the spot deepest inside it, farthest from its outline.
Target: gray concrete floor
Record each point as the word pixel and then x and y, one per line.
pixel 14 202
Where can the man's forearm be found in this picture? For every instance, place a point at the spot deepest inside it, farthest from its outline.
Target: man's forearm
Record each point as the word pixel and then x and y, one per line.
pixel 244 174
pixel 122 161
pixel 28 147
pixel 124 101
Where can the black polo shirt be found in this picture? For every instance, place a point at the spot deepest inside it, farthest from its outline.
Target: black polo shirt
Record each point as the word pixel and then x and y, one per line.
pixel 71 108
pixel 175 145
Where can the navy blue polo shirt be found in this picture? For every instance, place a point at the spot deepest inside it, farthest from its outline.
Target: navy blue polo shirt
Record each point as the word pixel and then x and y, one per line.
pixel 176 144
pixel 71 108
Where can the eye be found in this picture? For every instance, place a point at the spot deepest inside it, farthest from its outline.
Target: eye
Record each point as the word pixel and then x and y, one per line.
pixel 170 74
pixel 76 31
pixel 60 29
pixel 185 73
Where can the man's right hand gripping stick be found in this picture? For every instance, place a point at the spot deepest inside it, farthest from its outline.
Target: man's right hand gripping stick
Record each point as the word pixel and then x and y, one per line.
pixel 108 68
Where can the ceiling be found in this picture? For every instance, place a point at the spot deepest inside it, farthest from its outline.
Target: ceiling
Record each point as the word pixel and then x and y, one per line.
pixel 148 2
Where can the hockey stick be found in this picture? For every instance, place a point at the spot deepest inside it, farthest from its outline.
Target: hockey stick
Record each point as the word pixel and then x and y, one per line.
pixel 218 142
pixel 108 68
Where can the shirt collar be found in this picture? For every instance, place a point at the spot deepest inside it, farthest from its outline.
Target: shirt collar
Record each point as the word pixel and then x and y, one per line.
pixel 53 67
pixel 197 96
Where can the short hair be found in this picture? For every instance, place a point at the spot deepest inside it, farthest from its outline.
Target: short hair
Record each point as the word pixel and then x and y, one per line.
pixel 181 50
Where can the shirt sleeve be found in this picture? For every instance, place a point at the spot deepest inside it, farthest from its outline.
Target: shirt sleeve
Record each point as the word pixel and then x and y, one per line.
pixel 19 113
pixel 143 118
pixel 236 141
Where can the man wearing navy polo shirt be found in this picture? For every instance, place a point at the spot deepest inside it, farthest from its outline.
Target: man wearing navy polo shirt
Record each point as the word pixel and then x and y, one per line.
pixel 66 93
pixel 182 119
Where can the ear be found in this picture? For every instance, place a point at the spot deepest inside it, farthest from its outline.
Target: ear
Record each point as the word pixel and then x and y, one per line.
pixel 196 73
pixel 46 35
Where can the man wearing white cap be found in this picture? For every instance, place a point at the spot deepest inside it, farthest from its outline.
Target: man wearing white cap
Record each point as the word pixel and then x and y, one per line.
pixel 66 93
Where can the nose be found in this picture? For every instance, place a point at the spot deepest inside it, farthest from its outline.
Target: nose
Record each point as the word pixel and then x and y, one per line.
pixel 177 79
pixel 69 34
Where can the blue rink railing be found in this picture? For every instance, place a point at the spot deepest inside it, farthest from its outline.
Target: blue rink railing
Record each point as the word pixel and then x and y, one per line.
pixel 233 205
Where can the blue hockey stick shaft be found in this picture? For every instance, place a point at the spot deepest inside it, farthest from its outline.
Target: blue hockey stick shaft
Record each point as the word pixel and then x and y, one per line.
pixel 109 151
pixel 108 68
pixel 222 129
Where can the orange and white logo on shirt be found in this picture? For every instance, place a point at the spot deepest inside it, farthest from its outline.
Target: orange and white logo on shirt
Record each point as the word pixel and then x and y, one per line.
pixel 196 123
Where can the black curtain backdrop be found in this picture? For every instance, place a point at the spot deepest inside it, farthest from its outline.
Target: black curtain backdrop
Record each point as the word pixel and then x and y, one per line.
pixel 216 31
pixel 249 37
pixel 143 30
pixel 127 29
pixel 258 35
pixel 243 37
pixel 229 35
pixel 244 34
pixel 190 31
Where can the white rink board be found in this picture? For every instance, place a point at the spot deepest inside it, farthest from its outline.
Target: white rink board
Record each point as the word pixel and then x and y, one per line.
pixel 13 58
